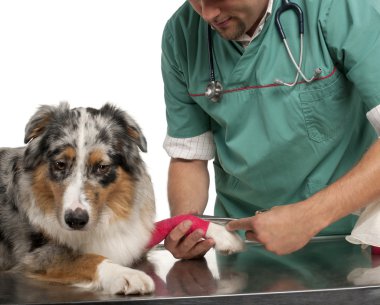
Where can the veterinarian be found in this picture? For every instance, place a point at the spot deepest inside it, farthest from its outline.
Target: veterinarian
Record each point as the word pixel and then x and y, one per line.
pixel 284 98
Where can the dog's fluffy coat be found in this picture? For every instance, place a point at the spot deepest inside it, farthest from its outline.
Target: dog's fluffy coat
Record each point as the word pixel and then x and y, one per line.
pixel 76 203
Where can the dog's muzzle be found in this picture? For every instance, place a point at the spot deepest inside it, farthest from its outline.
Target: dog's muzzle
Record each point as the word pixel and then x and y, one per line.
pixel 76 219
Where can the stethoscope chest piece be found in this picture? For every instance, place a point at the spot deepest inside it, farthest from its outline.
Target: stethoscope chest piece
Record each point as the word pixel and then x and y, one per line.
pixel 214 91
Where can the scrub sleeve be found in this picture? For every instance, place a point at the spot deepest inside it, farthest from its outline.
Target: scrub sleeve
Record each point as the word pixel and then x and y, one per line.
pixel 185 118
pixel 349 31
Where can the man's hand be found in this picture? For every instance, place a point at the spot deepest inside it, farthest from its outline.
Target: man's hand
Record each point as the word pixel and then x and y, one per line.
pixel 282 230
pixel 184 246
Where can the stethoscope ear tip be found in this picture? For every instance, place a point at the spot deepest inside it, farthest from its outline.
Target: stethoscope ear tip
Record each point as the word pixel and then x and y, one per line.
pixel 317 72
pixel 278 82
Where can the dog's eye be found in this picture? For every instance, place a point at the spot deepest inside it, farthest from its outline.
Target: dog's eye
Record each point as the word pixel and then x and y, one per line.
pixel 59 165
pixel 102 169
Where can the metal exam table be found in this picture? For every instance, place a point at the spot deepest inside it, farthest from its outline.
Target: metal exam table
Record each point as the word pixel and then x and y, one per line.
pixel 328 270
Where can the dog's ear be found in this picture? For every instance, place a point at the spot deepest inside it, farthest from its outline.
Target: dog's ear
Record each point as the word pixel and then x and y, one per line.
pixel 34 131
pixel 127 123
pixel 38 122
pixel 135 134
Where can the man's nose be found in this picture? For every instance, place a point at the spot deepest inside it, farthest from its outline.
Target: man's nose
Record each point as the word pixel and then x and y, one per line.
pixel 209 11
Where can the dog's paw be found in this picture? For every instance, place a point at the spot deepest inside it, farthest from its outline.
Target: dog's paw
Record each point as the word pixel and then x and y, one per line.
pixel 232 282
pixel 226 242
pixel 365 276
pixel 116 279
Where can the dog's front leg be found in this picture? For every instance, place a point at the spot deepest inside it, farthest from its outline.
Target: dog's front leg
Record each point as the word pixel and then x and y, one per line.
pixel 117 279
pixel 62 265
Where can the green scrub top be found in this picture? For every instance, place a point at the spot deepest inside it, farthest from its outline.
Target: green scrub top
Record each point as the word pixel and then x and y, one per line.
pixel 274 144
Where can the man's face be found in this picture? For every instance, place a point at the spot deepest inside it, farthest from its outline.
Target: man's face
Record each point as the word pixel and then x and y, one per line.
pixel 231 18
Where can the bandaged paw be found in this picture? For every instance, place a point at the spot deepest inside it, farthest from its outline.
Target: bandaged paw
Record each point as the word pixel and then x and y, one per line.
pixel 226 242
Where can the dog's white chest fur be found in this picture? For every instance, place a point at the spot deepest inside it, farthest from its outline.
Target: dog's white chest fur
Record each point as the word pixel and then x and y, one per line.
pixel 122 241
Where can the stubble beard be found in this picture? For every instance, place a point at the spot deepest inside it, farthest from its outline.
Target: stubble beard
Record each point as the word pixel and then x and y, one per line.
pixel 233 33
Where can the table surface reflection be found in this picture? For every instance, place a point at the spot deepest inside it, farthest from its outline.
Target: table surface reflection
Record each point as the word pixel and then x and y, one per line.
pixel 328 270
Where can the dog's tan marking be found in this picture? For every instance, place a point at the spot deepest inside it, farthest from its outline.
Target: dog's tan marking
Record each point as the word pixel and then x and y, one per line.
pixel 49 193
pixel 121 193
pixel 68 270
pixel 118 195
pixel 133 133
pixel 95 157
pixel 68 153
pixel 42 189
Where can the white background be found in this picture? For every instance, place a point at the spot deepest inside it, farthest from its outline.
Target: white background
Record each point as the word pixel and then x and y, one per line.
pixel 86 52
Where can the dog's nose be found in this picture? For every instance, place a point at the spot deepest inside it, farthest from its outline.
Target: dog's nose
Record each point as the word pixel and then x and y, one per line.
pixel 76 219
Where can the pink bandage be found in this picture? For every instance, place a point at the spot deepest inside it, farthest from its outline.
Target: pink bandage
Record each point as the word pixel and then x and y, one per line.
pixel 375 250
pixel 164 227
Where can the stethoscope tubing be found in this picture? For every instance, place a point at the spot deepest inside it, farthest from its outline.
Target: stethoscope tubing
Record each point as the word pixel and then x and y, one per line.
pixel 214 89
pixel 285 6
pixel 210 53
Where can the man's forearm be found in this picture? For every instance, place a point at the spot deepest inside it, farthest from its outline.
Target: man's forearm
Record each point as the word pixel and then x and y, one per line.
pixel 287 228
pixel 355 190
pixel 188 184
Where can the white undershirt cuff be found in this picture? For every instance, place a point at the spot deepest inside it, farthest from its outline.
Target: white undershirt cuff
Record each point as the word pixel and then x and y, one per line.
pixel 201 147
pixel 373 117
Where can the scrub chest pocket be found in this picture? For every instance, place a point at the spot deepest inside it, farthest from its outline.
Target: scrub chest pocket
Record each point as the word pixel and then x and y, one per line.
pixel 326 109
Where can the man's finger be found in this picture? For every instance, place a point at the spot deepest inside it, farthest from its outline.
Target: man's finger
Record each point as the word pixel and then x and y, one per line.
pixel 179 231
pixel 250 235
pixel 240 224
pixel 199 249
pixel 193 238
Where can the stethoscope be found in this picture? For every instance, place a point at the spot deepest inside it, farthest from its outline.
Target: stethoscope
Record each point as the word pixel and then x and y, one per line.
pixel 214 89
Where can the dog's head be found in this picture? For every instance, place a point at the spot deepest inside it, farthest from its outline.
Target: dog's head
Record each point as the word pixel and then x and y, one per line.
pixel 81 160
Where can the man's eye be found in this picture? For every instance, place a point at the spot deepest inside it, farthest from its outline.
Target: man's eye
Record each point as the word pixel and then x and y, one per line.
pixel 102 169
pixel 59 165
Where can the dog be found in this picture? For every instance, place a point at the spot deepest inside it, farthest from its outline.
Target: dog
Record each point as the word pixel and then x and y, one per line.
pixel 76 202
